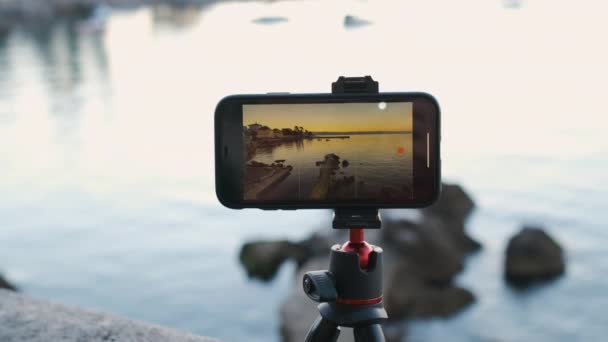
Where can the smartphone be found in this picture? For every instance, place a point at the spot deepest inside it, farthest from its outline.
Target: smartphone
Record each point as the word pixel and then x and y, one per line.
pixel 300 151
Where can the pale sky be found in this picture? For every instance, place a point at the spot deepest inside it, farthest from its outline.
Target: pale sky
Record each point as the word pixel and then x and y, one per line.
pixel 333 117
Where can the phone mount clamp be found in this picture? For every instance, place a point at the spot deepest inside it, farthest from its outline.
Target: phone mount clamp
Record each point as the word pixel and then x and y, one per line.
pixel 350 292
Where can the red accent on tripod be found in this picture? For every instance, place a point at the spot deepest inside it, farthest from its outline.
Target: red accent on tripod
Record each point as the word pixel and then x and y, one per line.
pixel 357 244
pixel 359 301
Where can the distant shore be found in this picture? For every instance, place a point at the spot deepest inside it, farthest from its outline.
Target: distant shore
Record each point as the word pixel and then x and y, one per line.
pixel 360 133
pixel 279 140
pixel 252 144
pixel 41 12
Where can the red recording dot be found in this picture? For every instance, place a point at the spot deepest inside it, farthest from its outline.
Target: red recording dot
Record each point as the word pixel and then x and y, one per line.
pixel 400 149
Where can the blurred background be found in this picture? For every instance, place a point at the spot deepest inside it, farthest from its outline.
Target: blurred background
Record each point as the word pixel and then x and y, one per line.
pixel 106 150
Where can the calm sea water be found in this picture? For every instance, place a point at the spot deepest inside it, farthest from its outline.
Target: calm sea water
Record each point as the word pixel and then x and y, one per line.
pixel 375 160
pixel 106 156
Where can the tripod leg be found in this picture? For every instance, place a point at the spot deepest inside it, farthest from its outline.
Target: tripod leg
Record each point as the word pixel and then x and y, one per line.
pixel 322 331
pixel 369 333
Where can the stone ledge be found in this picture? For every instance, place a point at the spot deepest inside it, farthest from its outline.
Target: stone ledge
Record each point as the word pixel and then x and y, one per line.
pixel 25 319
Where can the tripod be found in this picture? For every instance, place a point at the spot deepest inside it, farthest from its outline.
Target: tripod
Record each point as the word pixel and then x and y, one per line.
pixel 350 292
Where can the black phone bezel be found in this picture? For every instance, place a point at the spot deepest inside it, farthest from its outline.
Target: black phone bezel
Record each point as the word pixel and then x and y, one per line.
pixel 228 132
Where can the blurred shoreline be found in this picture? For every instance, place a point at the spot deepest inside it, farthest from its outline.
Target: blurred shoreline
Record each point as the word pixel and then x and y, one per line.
pixel 15 13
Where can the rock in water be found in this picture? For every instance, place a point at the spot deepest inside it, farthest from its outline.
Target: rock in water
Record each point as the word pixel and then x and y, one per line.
pixel 353 22
pixel 409 295
pixel 426 246
pixel 532 255
pixel 270 20
pixel 4 28
pixel 453 209
pixel 427 260
pixel 453 203
pixel 332 161
pixel 4 284
pixel 262 259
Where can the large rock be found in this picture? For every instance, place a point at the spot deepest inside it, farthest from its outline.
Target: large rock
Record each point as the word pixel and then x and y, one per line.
pixel 5 27
pixel 25 319
pixel 453 208
pixel 420 284
pixel 425 247
pixel 409 295
pixel 532 255
pixel 453 203
pixel 4 284
pixel 263 258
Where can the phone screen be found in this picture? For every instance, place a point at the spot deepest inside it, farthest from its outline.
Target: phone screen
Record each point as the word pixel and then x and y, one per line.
pixel 304 151
pixel 328 152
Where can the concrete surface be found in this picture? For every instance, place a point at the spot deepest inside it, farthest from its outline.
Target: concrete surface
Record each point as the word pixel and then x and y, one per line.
pixel 26 319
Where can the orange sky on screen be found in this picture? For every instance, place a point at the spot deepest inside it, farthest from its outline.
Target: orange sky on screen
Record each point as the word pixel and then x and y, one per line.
pixel 333 117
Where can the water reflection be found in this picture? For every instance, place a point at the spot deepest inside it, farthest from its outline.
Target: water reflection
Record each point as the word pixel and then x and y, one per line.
pixel 72 70
pixel 367 166
pixel 176 16
pixel 6 75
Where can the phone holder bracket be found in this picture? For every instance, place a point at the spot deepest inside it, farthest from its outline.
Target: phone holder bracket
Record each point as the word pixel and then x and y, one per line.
pixel 356 218
pixel 351 218
pixel 344 85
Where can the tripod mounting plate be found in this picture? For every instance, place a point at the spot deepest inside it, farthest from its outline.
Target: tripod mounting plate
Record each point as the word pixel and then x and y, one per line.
pixel 356 218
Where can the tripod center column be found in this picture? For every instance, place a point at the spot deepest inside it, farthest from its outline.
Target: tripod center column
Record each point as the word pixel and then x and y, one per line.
pixel 357 244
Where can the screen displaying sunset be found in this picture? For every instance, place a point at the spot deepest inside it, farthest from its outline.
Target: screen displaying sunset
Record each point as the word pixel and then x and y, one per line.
pixel 328 151
pixel 342 117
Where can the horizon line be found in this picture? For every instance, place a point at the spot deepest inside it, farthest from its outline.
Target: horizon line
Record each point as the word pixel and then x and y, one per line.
pixel 353 132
